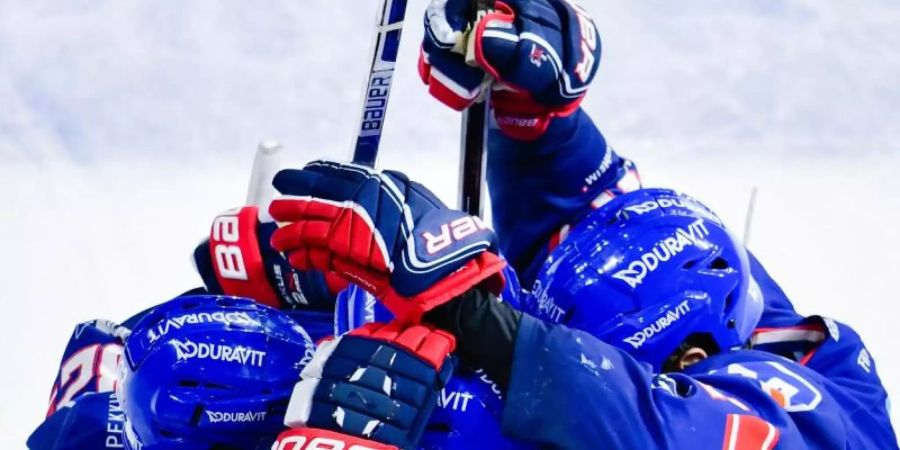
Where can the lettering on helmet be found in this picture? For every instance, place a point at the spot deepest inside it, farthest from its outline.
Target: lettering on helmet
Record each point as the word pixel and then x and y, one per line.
pixel 652 205
pixel 662 251
pixel 231 318
pixel 235 417
pixel 546 304
pixel 486 380
pixel 188 349
pixel 454 400
pixel 673 315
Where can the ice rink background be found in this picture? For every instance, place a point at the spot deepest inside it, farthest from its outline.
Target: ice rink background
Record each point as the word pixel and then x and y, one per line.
pixel 126 126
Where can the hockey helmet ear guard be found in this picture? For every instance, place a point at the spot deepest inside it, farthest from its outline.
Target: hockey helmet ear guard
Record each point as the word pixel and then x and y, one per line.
pixel 645 272
pixel 205 372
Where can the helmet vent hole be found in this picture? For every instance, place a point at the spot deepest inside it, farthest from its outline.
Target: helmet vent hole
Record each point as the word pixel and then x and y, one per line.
pixel 188 383
pixel 226 301
pixel 718 264
pixel 198 413
pixel 438 427
pixel 189 305
pixel 568 315
pixel 277 407
pixel 690 264
pixel 729 305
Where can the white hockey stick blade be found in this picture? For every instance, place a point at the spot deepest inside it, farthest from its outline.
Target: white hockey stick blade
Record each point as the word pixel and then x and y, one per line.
pixel 266 164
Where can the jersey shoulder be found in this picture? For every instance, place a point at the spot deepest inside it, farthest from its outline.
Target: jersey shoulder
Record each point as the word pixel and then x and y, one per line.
pixel 824 407
pixel 88 363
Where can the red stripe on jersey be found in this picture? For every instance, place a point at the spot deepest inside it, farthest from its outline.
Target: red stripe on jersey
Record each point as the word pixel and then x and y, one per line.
pixel 744 432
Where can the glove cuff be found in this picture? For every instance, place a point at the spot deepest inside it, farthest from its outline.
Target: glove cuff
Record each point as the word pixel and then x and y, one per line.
pixel 520 117
pixel 237 261
pixel 485 270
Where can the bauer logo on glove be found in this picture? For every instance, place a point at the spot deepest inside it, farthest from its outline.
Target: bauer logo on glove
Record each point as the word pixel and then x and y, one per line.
pixel 383 232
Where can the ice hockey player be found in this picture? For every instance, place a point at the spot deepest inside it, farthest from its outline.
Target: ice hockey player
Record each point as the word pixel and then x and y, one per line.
pixel 213 372
pixel 196 372
pixel 659 329
pixel 656 333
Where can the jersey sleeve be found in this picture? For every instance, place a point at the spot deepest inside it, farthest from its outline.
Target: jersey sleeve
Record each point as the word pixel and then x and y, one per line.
pixel 538 187
pixel 88 364
pixel 569 390
pixel 92 421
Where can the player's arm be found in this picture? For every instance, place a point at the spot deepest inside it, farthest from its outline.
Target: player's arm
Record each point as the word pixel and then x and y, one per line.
pixel 596 392
pixel 81 408
pixel 88 363
pixel 548 163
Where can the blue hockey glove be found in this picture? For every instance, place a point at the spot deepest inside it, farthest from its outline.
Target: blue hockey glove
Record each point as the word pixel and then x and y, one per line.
pixel 387 234
pixel 542 54
pixel 379 382
pixel 238 260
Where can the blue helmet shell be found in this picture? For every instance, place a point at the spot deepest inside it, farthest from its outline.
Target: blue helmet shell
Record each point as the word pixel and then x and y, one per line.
pixel 469 414
pixel 645 271
pixel 206 371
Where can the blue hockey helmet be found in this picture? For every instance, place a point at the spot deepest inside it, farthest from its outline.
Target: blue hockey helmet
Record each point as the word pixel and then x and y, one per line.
pixel 204 372
pixel 468 415
pixel 645 272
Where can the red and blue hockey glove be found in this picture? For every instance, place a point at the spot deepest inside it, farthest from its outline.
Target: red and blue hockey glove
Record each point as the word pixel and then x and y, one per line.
pixel 379 382
pixel 389 235
pixel 542 54
pixel 238 260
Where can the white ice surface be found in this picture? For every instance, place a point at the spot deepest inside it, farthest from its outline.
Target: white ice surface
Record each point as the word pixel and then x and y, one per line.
pixel 126 126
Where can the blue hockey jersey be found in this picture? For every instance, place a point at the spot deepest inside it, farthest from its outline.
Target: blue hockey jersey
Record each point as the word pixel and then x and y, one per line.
pixel 602 398
pixel 808 383
pixel 538 188
pixel 84 413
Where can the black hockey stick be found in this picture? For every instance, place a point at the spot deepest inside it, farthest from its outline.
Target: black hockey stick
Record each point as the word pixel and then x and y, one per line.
pixel 473 139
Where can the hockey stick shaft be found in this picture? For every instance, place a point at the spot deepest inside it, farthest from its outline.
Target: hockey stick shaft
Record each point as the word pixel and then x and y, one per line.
pixel 266 163
pixel 748 220
pixel 473 139
pixel 384 49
